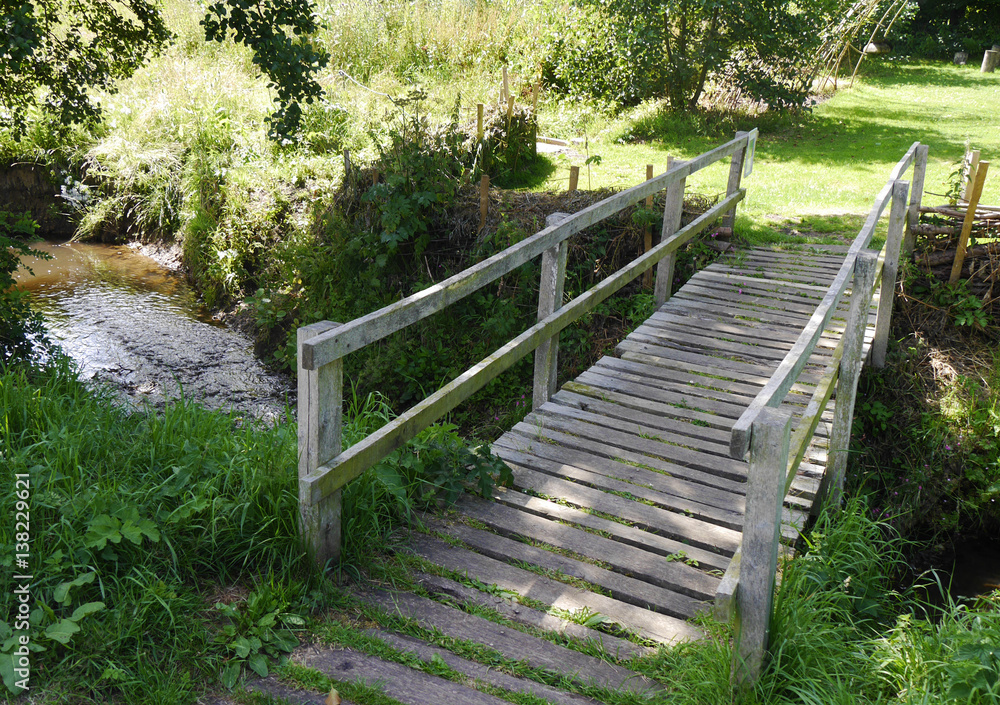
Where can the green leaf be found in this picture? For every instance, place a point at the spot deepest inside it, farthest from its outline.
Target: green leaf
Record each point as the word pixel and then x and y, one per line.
pixel 258 663
pixel 241 646
pixel 62 631
pixel 85 609
pixel 7 672
pixel 100 530
pixel 230 675
pixel 61 593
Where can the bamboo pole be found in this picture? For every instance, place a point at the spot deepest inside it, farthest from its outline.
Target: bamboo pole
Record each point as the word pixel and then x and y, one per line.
pixel 970 216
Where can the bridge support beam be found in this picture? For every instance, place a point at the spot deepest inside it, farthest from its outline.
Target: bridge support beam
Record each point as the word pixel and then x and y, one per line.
pixel 550 298
pixel 769 447
pixel 672 212
pixel 320 421
pixel 832 488
pixel 890 268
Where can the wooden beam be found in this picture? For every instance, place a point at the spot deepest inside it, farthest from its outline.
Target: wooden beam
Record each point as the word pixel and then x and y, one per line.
pixel 916 196
pixel 970 216
pixel 761 535
pixel 890 268
pixel 672 212
pixel 550 296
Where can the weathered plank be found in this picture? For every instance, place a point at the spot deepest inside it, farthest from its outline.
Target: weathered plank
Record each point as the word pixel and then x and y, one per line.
pixel 612 646
pixel 479 672
pixel 559 595
pixel 399 682
pixel 642 565
pixel 620 532
pixel 624 588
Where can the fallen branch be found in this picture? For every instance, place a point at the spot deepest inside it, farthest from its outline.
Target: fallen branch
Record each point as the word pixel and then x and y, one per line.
pixel 933 259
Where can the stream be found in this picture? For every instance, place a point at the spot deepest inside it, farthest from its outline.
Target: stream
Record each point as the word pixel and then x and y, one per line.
pixel 130 322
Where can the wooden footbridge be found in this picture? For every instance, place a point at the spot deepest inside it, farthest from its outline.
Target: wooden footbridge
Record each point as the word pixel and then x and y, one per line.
pixel 658 484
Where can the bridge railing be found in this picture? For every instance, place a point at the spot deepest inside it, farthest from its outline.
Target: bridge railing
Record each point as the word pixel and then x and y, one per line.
pixel 764 429
pixel 324 468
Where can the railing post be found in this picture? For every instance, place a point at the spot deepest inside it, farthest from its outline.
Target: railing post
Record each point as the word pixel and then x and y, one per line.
pixel 890 268
pixel 761 534
pixel 672 212
pixel 735 177
pixel 832 487
pixel 320 417
pixel 550 295
pixel 916 195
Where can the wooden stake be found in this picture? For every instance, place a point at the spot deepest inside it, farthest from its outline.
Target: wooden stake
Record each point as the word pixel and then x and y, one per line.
pixel 769 447
pixel 647 234
pixel 484 200
pixel 506 87
pixel 347 164
pixel 479 122
pixel 574 178
pixel 916 195
pixel 534 96
pixel 970 176
pixel 970 216
pixel 510 108
pixel 320 418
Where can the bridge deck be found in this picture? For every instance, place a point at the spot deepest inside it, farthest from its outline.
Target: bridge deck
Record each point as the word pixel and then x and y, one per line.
pixel 626 508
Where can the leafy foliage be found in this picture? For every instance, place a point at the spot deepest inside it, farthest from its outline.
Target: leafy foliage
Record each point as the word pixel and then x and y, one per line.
pixel 65 49
pixel 18 324
pixel 291 63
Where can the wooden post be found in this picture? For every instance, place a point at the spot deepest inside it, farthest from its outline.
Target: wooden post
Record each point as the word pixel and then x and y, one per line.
pixel 832 486
pixel 320 417
pixel 991 59
pixel 970 217
pixel 347 165
pixel 769 443
pixel 484 200
pixel 574 178
pixel 916 195
pixel 479 122
pixel 970 176
pixel 506 87
pixel 647 234
pixel 550 295
pixel 735 176
pixel 890 268
pixel 672 212
pixel 510 109
pixel 534 96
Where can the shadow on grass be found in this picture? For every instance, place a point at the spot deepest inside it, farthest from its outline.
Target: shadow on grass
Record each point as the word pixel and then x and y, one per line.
pixel 531 175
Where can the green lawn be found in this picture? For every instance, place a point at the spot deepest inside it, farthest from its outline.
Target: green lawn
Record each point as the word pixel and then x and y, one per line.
pixel 836 158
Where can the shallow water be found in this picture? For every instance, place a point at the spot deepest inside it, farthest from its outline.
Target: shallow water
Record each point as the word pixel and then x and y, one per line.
pixel 128 321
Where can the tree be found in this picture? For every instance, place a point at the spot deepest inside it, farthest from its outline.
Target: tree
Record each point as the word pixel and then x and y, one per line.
pixel 673 48
pixel 53 53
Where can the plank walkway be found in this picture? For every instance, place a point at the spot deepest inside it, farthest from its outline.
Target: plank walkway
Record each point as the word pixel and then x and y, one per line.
pixel 626 507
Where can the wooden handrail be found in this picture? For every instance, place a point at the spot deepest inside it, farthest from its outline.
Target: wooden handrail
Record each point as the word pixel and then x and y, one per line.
pixel 795 360
pixel 362 455
pixel 334 344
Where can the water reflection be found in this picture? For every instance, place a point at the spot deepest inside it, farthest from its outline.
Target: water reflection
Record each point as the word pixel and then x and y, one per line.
pixel 127 320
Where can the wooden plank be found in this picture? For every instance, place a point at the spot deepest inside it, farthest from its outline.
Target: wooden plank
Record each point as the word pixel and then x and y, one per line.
pixel 477 671
pixel 361 456
pixel 663 435
pixel 673 210
pixel 754 298
pixel 671 378
pixel 377 325
pixel 397 681
pixel 614 440
pixel 674 494
pixel 723 272
pixel 696 532
pixel 730 310
pixel 271 687
pixel 513 644
pixel 650 625
pixel 890 268
pixel 745 349
pixel 612 646
pixel 625 534
pixel 725 331
pixel 726 365
pixel 620 412
pixel 642 565
pixel 621 587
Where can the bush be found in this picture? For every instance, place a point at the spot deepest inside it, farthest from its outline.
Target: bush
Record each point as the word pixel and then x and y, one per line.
pixel 19 325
